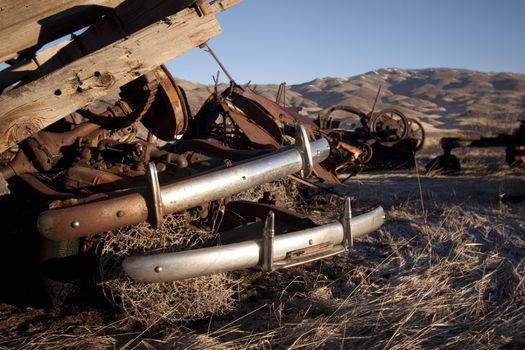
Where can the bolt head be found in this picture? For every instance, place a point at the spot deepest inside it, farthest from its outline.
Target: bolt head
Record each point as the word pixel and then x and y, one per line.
pixel 75 224
pixel 158 269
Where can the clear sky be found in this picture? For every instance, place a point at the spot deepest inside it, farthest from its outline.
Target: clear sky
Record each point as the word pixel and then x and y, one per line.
pixel 270 41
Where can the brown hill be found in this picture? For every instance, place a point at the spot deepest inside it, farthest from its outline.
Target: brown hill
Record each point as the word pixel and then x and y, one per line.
pixel 447 101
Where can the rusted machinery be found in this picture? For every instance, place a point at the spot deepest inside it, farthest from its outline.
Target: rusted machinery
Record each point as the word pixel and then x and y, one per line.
pixel 388 138
pixel 449 164
pixel 378 140
pixel 90 166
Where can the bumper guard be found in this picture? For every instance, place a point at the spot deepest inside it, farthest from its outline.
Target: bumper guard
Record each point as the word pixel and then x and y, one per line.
pixel 269 253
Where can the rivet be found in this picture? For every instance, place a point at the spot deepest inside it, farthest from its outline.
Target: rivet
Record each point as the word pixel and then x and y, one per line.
pixel 158 269
pixel 310 242
pixel 120 213
pixel 75 224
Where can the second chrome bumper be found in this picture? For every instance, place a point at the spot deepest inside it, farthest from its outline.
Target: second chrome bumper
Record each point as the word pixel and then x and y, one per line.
pixel 269 252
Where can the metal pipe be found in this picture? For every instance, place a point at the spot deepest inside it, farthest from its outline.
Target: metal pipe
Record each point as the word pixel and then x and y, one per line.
pixel 206 261
pixel 132 208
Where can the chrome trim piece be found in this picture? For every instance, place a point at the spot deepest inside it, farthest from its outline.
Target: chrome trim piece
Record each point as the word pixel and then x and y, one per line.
pixel 303 145
pixel 348 240
pixel 248 254
pixel 222 183
pixel 268 238
pixel 155 207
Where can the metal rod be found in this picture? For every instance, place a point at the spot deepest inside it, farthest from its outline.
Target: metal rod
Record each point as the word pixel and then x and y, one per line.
pixel 375 100
pixel 268 238
pixel 206 261
pixel 208 48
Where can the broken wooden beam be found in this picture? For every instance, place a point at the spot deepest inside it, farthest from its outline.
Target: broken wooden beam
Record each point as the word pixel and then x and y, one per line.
pixel 30 108
pixel 30 24
pixel 21 70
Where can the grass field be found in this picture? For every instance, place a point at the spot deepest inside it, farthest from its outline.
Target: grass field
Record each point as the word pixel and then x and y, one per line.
pixel 447 270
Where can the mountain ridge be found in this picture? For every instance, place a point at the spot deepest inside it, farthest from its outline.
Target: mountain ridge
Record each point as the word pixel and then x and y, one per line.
pixel 448 101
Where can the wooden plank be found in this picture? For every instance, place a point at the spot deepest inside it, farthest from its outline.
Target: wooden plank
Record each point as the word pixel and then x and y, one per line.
pixel 127 18
pixel 223 5
pixel 135 15
pixel 104 32
pixel 13 12
pixel 23 69
pixel 32 107
pixel 32 23
pixel 132 15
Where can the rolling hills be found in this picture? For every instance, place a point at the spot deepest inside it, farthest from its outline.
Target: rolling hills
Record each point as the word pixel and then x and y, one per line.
pixel 447 101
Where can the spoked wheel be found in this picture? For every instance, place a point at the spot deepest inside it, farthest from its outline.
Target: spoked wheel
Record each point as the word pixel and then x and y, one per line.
pixel 351 121
pixel 390 126
pixel 416 133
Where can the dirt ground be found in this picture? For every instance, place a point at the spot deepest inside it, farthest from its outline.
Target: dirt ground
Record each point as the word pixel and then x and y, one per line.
pixel 447 270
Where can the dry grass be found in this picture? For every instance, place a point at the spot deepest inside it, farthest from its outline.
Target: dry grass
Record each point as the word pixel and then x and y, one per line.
pixel 449 279
pixel 161 302
pixel 452 278
pixel 449 274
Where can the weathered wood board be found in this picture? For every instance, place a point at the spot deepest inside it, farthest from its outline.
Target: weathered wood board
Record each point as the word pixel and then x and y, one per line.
pixel 28 109
pixel 31 23
pixel 124 19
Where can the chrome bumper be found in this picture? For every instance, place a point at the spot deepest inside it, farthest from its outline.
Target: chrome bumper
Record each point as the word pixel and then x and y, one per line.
pixel 269 252
pixel 128 209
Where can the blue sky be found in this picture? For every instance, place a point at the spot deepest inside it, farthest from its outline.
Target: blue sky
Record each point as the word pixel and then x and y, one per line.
pixel 270 41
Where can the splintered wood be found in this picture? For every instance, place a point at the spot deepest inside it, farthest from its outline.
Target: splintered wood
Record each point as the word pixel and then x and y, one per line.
pixel 68 86
pixel 24 24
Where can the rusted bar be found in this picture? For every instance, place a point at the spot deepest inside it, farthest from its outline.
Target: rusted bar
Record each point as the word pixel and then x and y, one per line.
pixel 132 208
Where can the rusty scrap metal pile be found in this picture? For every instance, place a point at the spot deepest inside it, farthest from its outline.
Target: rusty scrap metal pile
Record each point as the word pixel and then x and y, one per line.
pixel 90 166
pixel 385 140
pixel 95 165
pixel 449 164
